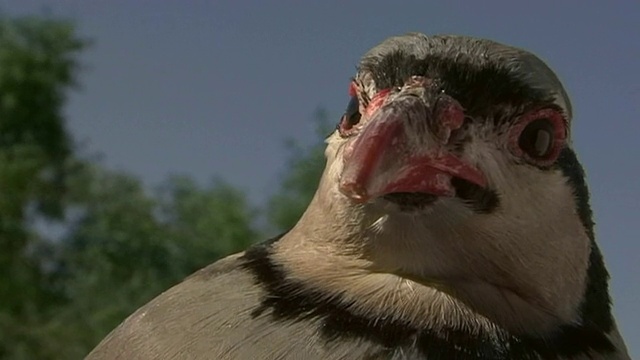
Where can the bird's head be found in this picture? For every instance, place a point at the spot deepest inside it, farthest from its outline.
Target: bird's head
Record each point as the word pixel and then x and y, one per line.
pixel 452 166
pixel 453 123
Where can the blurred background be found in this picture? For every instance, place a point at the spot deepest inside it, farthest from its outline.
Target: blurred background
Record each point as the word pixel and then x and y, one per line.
pixel 141 140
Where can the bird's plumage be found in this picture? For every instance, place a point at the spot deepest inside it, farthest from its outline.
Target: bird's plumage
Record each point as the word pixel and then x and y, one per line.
pixel 464 234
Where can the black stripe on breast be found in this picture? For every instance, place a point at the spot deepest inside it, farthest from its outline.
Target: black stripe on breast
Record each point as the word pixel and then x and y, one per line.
pixel 287 300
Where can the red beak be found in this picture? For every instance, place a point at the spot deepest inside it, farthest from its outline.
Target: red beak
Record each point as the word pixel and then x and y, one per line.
pixel 385 157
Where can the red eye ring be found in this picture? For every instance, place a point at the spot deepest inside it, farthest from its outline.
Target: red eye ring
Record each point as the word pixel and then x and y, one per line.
pixel 539 136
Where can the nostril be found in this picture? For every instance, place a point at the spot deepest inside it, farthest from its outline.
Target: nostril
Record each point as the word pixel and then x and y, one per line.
pixel 449 112
pixel 449 117
pixel 460 136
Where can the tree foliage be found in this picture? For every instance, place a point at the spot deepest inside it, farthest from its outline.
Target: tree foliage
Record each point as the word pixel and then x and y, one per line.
pixel 125 246
pixel 37 64
pixel 81 246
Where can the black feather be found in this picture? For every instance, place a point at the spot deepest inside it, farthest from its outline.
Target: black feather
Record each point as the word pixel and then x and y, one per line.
pixel 596 308
pixel 288 300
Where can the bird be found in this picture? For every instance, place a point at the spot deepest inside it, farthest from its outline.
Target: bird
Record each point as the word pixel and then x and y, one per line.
pixel 452 221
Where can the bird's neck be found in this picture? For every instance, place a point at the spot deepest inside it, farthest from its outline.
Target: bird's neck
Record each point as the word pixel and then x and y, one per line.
pixel 420 271
pixel 344 269
pixel 336 270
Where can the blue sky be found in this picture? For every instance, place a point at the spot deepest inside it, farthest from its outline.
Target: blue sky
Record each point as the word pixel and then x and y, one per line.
pixel 212 88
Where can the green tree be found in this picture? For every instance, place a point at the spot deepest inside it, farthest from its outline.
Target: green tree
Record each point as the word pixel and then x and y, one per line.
pixel 300 180
pixel 37 66
pixel 205 223
pixel 126 245
pixel 118 244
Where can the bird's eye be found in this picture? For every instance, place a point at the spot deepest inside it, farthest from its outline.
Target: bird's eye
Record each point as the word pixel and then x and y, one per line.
pixel 536 140
pixel 538 136
pixel 350 118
